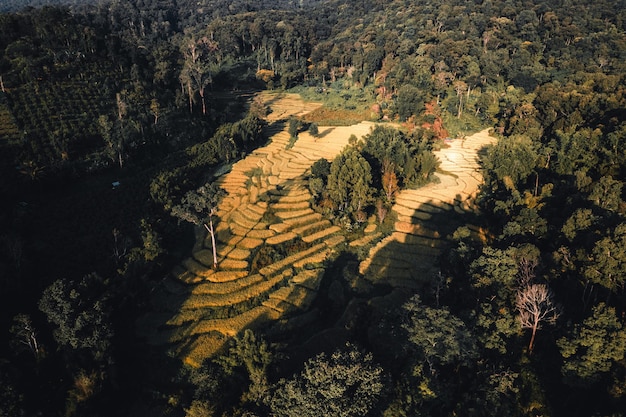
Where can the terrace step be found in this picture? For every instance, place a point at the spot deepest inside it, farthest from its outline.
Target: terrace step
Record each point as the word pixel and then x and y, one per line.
pixel 290 260
pixel 250 243
pixel 196 267
pixel 309 278
pixel 313 259
pixel 298 296
pixel 226 276
pixel 230 264
pixel 321 234
pixel 234 253
pixel 206 300
pixel 184 275
pixel 285 215
pixel 291 206
pixel 233 325
pixel 281 238
pixel 311 227
pixel 239 219
pixel 365 240
pixel 226 287
pixel 303 220
pixel 261 233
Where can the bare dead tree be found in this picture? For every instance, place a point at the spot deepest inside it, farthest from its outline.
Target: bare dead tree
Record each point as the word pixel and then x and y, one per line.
pixel 24 335
pixel 535 307
pixel 121 245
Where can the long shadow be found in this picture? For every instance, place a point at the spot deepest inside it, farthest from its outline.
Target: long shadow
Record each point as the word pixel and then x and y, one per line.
pixel 402 267
pixel 170 297
pixel 352 306
pixel 276 126
pixel 325 133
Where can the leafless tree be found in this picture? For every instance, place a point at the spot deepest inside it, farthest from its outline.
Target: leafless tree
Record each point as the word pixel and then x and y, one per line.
pixel 24 335
pixel 535 307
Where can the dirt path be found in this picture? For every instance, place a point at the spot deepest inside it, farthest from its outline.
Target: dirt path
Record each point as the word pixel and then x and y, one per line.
pixel 272 245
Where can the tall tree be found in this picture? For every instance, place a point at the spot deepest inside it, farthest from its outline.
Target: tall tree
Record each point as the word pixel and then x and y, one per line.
pixel 198 67
pixel 607 264
pixel 349 180
pixel 440 337
pixel 199 207
pixel 535 307
pixel 593 346
pixel 254 354
pixel 25 336
pixel 346 384
pixel 80 313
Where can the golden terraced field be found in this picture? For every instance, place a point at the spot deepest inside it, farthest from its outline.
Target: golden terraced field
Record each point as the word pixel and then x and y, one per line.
pixel 198 309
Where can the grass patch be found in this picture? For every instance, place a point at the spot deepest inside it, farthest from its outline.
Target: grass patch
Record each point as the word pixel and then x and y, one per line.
pixel 335 117
pixel 344 104
pixel 467 125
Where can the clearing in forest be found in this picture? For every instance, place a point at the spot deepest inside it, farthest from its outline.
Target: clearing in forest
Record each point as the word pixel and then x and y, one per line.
pixel 273 247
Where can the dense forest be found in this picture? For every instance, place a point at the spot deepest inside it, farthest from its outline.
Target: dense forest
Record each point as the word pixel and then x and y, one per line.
pixel 114 114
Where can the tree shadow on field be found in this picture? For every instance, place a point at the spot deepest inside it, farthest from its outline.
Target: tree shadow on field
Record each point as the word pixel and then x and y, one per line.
pixel 275 127
pixel 373 291
pixel 274 99
pixel 325 133
pixel 193 315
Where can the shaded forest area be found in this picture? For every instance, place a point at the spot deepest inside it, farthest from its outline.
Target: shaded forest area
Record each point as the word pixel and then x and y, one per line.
pixel 154 95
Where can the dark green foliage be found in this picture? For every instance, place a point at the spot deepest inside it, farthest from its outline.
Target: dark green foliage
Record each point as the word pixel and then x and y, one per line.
pixel 606 265
pixel 410 101
pixel 319 178
pixel 593 347
pixel 198 206
pixel 294 126
pixel 514 158
pixel 549 77
pixel 349 181
pixel 410 158
pixel 228 142
pixel 254 355
pixel 10 398
pixel 438 337
pixel 346 383
pixel 313 129
pixel 320 169
pixel 80 313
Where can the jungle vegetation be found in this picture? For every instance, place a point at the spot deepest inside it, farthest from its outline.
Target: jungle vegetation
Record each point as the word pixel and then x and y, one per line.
pixel 112 112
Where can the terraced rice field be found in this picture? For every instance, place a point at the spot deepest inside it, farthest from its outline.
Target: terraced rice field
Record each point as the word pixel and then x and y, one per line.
pixel 425 216
pixel 267 208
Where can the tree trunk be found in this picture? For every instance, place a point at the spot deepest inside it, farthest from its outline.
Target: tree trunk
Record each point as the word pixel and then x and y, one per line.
pixel 531 345
pixel 211 231
pixel 203 102
pixel 190 93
